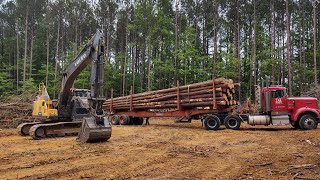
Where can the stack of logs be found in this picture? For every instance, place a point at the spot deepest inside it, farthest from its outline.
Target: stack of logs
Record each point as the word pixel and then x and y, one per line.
pixel 220 91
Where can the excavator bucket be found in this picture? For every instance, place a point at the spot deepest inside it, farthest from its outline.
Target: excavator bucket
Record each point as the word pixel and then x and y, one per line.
pixel 91 131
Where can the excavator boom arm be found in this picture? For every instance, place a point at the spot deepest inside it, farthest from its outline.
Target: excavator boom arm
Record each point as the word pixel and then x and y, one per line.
pixel 86 56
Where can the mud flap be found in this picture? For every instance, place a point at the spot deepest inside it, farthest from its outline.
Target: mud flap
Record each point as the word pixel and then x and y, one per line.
pixel 91 131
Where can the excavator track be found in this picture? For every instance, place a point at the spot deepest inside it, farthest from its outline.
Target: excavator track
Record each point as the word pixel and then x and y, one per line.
pixel 40 131
pixel 23 128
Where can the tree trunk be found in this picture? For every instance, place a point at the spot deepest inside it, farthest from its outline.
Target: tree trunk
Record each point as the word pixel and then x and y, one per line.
pixel 238 41
pixel 56 57
pixel 142 68
pixel 17 61
pixel 215 39
pixel 301 44
pixel 63 34
pixel 176 43
pixel 272 42
pixel 133 65
pixel 315 42
pixel 149 68
pixel 303 49
pixel 31 52
pixel 107 41
pixel 254 53
pixel 289 48
pixel 279 57
pixel 76 40
pixel 25 46
pixel 47 68
pixel 283 58
pixel 125 63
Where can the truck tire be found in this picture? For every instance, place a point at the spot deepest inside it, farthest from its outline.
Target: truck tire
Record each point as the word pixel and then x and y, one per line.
pixel 124 119
pixel 136 120
pixel 295 124
pixel 308 122
pixel 115 120
pixel 131 121
pixel 139 121
pixel 211 122
pixel 232 122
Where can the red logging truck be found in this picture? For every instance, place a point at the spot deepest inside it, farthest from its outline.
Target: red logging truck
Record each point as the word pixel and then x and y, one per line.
pixel 213 102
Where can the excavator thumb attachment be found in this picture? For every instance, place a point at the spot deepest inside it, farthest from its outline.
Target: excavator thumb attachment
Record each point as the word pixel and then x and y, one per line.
pixel 93 130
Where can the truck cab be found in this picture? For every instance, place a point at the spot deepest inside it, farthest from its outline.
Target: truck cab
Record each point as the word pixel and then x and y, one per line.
pixel 300 112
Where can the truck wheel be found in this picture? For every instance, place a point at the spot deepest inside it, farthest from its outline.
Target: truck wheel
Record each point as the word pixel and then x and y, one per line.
pixel 211 122
pixel 131 121
pixel 232 122
pixel 308 122
pixel 124 119
pixel 115 120
pixel 295 124
pixel 139 120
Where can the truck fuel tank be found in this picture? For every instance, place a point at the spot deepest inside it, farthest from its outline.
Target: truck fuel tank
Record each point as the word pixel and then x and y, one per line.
pixel 259 120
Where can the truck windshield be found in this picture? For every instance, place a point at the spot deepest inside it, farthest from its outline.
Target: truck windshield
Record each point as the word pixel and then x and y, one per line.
pixel 277 94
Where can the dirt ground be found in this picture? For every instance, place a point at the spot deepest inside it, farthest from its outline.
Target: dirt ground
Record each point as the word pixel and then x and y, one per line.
pixel 166 150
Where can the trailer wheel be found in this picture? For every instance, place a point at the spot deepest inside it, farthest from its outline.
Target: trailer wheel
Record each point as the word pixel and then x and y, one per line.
pixel 131 121
pixel 308 122
pixel 139 120
pixel 232 122
pixel 211 122
pixel 124 119
pixel 115 120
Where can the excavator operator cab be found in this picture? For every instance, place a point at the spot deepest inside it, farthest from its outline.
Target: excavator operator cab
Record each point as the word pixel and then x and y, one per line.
pixel 80 104
pixel 81 92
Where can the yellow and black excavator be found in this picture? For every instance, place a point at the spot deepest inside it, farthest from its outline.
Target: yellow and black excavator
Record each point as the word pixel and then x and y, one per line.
pixel 77 111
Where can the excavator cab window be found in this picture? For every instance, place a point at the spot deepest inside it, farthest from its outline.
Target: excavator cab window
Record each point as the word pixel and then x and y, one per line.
pixel 80 93
pixel 81 111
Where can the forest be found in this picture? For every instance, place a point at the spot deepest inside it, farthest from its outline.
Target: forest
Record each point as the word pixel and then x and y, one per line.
pixel 152 44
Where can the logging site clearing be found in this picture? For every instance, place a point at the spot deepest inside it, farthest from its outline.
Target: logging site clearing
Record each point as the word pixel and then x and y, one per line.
pixel 164 150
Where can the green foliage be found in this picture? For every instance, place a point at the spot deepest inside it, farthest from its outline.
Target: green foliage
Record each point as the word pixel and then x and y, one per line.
pixel 28 87
pixel 228 66
pixel 6 85
pixel 177 43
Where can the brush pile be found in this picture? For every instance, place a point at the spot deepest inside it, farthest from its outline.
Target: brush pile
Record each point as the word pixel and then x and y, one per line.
pixel 220 91
pixel 15 110
pixel 313 91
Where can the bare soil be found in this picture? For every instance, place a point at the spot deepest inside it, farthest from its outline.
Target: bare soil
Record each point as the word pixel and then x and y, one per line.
pixel 166 150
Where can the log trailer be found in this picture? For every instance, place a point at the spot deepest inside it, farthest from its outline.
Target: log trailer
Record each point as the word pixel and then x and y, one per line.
pixel 77 111
pixel 214 103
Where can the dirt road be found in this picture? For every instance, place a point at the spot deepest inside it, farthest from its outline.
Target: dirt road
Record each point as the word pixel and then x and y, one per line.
pixel 165 150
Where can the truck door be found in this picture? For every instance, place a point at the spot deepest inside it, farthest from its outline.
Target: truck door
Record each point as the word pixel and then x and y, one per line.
pixel 278 102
